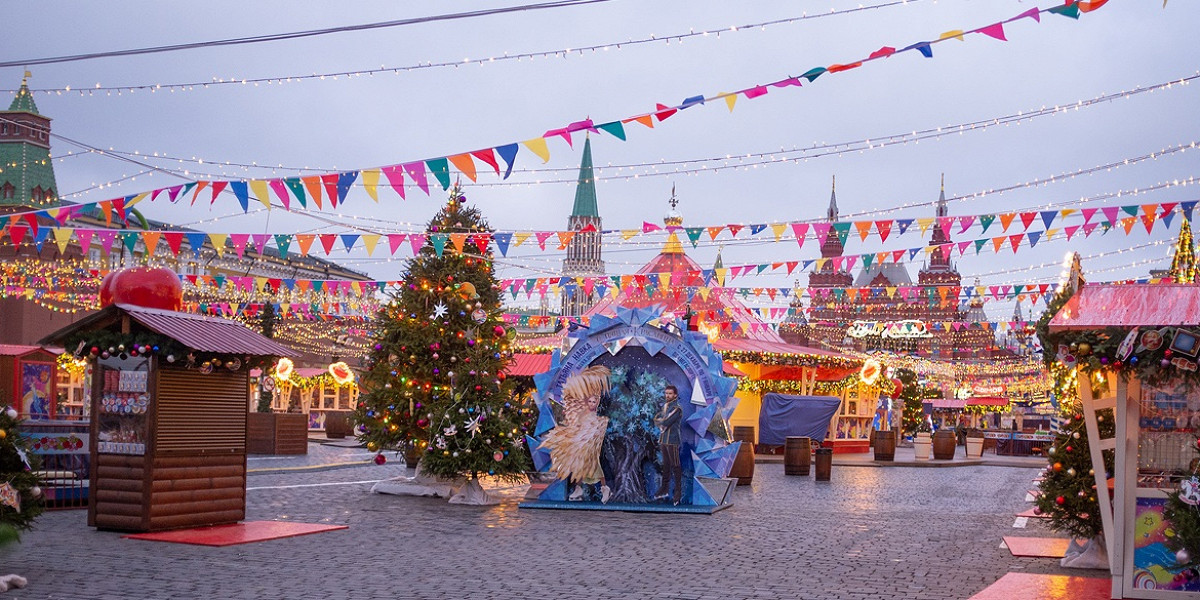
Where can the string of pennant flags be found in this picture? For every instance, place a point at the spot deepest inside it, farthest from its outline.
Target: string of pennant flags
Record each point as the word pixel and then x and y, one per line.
pixel 1124 217
pixel 332 188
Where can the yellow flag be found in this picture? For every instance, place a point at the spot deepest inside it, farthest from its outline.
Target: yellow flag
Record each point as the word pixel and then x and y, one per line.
pixel 538 147
pixel 62 235
pixel 370 181
pixel 136 199
pixel 924 224
pixel 777 229
pixel 369 240
pixel 628 233
pixel 953 33
pixel 730 100
pixel 520 237
pixel 259 187
pixel 218 242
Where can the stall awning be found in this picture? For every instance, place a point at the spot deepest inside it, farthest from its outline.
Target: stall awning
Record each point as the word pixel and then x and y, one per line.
pixel 1099 306
pixel 528 365
pixel 985 401
pixel 16 350
pixel 946 403
pixel 204 334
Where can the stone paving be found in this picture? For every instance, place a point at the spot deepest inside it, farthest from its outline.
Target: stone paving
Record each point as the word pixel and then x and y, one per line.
pixel 897 532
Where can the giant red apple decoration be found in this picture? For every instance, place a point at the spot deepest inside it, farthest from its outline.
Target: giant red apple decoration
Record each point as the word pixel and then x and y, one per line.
pixel 143 286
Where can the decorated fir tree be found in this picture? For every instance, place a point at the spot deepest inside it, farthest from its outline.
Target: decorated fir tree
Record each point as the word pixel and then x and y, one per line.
pixel 435 380
pixel 1183 264
pixel 1183 513
pixel 1068 486
pixel 20 494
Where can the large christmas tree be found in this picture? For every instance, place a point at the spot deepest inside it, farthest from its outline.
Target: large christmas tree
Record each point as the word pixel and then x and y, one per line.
pixel 435 380
pixel 1183 263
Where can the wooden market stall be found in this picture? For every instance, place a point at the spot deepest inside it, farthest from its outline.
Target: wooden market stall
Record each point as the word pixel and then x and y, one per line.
pixel 1140 344
pixel 28 379
pixel 168 433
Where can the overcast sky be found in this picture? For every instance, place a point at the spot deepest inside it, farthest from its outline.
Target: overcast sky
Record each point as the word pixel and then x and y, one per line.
pixel 343 123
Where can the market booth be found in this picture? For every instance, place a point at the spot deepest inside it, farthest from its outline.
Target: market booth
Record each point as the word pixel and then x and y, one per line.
pixel 28 375
pixel 1139 344
pixel 168 433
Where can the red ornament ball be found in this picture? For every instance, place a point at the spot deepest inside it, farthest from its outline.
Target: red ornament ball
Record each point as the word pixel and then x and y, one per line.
pixel 1060 501
pixel 498 331
pixel 143 286
pixel 501 376
pixel 380 459
pixel 1057 467
pixel 1069 448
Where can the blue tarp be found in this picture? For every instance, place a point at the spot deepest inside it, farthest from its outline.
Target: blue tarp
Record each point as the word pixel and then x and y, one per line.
pixel 785 415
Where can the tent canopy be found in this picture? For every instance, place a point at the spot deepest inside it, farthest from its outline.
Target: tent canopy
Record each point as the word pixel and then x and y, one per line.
pixel 1099 306
pixel 785 415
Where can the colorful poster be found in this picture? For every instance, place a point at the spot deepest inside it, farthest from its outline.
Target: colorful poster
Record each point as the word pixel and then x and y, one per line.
pixel 37 380
pixel 1155 566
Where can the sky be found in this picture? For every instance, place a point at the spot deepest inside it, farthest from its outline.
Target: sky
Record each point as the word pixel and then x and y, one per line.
pixel 347 123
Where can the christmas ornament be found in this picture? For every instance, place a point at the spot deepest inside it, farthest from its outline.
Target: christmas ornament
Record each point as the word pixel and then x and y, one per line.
pixel 380 459
pixel 479 315
pixel 11 412
pixel 9 496
pixel 1057 467
pixel 1189 491
pixel 439 310
pixel 497 456
pixel 1060 500
pixel 1183 557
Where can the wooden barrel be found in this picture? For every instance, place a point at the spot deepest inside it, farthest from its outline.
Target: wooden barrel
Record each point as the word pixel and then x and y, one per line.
pixel 885 446
pixel 744 433
pixel 944 444
pixel 743 463
pixel 797 456
pixel 824 464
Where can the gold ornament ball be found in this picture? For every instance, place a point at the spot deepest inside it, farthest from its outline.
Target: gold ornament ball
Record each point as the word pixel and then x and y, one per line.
pixel 3 434
pixel 1085 348
pixel 372 446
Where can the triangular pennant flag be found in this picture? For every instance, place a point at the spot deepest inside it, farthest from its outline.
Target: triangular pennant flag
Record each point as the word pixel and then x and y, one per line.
pixel 465 164
pixel 864 229
pixel 1027 219
pixel 416 172
pixel 903 225
pixel 305 241
pixel 416 241
pixel 261 193
pixel 196 241
pixel 458 240
pixel 924 224
pixel 282 242
pixel 502 241
pixel 1048 217
pixel 884 228
pixel 1006 219
pixel 488 157
pixel 481 241
pixel 440 167
pixel 293 183
pixel 995 30
pixel 371 183
pixel 218 242
pixel 615 129
pixel 986 221
pixel 508 153
pixel 394 241
pixel 327 242
pixel 395 177
pixel 240 190
pixel 1071 9
pixel 345 181
pixel 239 241
pixel 313 185
pixel 800 230
pixel 349 239
pixel 538 146
pixel 439 242
pixel 662 112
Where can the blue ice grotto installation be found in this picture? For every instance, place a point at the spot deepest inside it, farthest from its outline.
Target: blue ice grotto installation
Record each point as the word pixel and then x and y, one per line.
pixel 634 417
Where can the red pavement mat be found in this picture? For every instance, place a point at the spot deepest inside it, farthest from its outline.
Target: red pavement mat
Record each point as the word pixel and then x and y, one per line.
pixel 1032 515
pixel 1039 547
pixel 1030 586
pixel 238 533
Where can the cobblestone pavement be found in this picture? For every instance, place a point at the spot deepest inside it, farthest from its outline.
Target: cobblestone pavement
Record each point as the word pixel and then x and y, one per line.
pixel 869 533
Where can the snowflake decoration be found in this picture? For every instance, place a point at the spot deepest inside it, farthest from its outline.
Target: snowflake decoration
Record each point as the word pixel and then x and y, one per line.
pixel 439 310
pixel 472 425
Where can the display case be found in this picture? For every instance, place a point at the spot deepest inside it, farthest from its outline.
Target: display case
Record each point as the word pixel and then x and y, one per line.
pixel 125 405
pixel 850 429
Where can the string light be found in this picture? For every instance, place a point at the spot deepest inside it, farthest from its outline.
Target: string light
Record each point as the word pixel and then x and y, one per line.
pixel 559 53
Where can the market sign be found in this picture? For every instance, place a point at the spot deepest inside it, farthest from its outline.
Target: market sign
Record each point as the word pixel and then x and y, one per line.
pixel 988 389
pixel 906 329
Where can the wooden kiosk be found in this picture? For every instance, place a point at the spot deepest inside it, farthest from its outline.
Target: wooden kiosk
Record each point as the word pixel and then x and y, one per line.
pixel 1153 335
pixel 168 430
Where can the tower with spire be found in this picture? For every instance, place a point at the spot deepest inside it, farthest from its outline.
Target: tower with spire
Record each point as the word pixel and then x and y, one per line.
pixel 829 315
pixel 26 173
pixel 583 251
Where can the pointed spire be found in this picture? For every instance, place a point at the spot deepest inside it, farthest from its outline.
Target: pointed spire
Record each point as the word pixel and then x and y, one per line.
pixel 1017 316
pixel 942 209
pixel 673 220
pixel 717 264
pixel 585 190
pixel 24 100
pixel 833 208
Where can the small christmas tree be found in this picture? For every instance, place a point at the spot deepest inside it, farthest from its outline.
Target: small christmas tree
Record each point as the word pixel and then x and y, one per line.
pixel 1068 485
pixel 20 494
pixel 436 378
pixel 1183 513
pixel 1183 265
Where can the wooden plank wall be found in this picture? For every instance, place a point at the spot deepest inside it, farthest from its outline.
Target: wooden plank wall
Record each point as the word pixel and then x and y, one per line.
pixel 197 490
pixel 118 492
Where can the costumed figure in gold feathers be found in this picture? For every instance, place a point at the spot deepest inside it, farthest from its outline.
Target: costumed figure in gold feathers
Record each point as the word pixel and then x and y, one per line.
pixel 575 443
